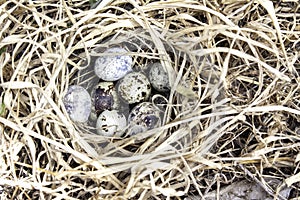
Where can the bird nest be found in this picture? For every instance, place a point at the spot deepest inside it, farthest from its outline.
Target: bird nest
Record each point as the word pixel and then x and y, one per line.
pixel 231 115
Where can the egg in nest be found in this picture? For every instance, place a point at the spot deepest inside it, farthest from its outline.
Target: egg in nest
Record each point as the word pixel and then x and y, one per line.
pixel 143 117
pixel 111 123
pixel 104 97
pixel 77 102
pixel 113 65
pixel 134 88
pixel 158 77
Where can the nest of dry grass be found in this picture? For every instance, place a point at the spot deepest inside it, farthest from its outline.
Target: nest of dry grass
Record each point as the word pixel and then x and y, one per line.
pixel 233 112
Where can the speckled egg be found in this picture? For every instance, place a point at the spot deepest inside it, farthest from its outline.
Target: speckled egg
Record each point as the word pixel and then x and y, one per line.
pixel 143 117
pixel 113 65
pixel 134 87
pixel 104 97
pixel 77 102
pixel 111 123
pixel 158 77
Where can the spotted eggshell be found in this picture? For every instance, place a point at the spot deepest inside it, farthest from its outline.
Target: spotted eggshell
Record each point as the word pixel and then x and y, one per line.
pixel 143 117
pixel 104 97
pixel 77 102
pixel 111 123
pixel 158 77
pixel 134 87
pixel 113 65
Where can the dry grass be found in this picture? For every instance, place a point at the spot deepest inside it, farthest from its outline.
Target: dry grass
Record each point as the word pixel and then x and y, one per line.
pixel 233 117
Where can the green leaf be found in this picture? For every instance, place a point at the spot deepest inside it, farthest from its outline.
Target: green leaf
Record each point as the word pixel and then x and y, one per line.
pixel 2 109
pixel 2 50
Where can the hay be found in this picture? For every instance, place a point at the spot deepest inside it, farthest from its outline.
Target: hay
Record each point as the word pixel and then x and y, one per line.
pixel 232 114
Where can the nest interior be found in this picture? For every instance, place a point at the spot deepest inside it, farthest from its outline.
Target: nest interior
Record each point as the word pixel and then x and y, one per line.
pixel 232 112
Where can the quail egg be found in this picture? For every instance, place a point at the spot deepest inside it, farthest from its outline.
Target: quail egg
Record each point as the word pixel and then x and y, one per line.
pixel 134 87
pixel 143 117
pixel 158 77
pixel 77 102
pixel 111 123
pixel 114 65
pixel 104 97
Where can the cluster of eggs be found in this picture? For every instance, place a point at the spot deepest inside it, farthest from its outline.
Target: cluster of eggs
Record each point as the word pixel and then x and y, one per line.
pixel 119 87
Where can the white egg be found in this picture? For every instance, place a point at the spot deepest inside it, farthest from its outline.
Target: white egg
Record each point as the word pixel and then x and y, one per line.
pixel 158 77
pixel 143 117
pixel 134 87
pixel 114 65
pixel 111 123
pixel 77 102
